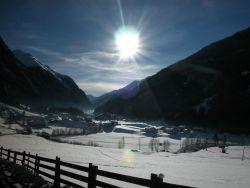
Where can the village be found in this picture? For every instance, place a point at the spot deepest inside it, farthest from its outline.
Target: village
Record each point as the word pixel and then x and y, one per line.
pixel 79 128
pixel 119 143
pixel 29 121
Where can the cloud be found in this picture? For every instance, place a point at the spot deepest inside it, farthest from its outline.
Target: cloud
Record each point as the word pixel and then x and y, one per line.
pixel 98 88
pixel 47 52
pixel 97 72
pixel 107 61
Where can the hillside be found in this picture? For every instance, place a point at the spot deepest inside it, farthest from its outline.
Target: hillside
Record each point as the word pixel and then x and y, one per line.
pixel 23 79
pixel 210 88
pixel 126 92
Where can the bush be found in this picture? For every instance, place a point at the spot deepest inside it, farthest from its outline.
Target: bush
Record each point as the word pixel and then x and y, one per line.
pixel 29 130
pixel 44 135
pixel 92 143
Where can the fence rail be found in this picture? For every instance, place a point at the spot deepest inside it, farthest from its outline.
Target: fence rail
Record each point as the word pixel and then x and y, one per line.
pixel 54 169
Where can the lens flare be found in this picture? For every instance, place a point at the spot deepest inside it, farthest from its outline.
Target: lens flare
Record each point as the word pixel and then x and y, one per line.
pixel 127 41
pixel 128 156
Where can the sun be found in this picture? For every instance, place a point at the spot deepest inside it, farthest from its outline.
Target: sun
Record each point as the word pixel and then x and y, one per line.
pixel 127 42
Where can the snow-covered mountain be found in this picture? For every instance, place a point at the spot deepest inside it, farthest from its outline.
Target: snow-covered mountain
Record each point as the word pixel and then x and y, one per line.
pixel 127 92
pixel 23 79
pixel 31 62
pixel 27 59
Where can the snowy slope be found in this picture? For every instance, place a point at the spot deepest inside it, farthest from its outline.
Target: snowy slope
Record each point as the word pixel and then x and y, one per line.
pixel 207 169
pixel 129 91
pixel 19 110
pixel 29 61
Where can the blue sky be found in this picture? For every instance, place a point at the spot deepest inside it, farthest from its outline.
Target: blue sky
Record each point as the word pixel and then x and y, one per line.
pixel 76 37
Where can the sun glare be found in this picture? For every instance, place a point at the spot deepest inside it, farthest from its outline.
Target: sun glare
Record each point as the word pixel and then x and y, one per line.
pixel 127 42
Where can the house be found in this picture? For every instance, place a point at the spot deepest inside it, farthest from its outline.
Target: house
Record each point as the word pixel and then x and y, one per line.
pixel 36 121
pixel 151 130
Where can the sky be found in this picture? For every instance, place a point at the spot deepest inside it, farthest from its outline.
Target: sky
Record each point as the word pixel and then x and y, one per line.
pixel 77 37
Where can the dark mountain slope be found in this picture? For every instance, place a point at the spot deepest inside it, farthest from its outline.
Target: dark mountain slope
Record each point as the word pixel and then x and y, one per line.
pixel 126 92
pixel 211 87
pixel 25 80
pixel 11 70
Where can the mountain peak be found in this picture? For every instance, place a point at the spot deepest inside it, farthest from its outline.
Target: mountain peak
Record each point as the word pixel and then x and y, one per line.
pixel 23 79
pixel 127 92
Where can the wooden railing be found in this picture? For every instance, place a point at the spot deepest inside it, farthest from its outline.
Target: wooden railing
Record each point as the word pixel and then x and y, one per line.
pixel 60 172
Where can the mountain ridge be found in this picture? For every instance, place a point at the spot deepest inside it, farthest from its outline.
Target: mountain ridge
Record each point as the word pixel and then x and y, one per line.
pixel 126 92
pixel 35 84
pixel 210 87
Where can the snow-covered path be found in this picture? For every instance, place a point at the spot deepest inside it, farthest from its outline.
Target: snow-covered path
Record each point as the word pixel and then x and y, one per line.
pixel 200 169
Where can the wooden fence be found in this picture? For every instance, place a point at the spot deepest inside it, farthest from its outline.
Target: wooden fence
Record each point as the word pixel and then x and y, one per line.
pixel 60 172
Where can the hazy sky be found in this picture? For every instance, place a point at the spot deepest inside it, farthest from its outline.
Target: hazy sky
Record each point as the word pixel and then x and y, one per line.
pixel 76 37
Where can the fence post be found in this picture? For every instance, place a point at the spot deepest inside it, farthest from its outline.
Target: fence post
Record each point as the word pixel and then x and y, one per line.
pixel 23 160
pixel 8 157
pixel 92 175
pixel 155 181
pixel 57 174
pixel 37 168
pixel 35 165
pixel 37 161
pixel 14 157
pixel 28 160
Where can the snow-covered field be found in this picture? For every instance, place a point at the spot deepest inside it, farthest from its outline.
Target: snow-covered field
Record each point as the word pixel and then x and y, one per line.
pixel 131 132
pixel 209 168
pixel 132 141
pixel 8 128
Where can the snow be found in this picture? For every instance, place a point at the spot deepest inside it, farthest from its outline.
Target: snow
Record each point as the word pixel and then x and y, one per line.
pixel 20 111
pixel 29 61
pixel 8 128
pixel 110 140
pixel 133 134
pixel 205 169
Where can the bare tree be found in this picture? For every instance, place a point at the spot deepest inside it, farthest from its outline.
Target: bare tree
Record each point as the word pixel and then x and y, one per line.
pixel 216 139
pixel 243 153
pixel 166 145
pixel 151 144
pixel 121 143
pixel 92 143
pixel 186 142
pixel 139 143
pixel 224 140
pixel 205 143
pixel 154 144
